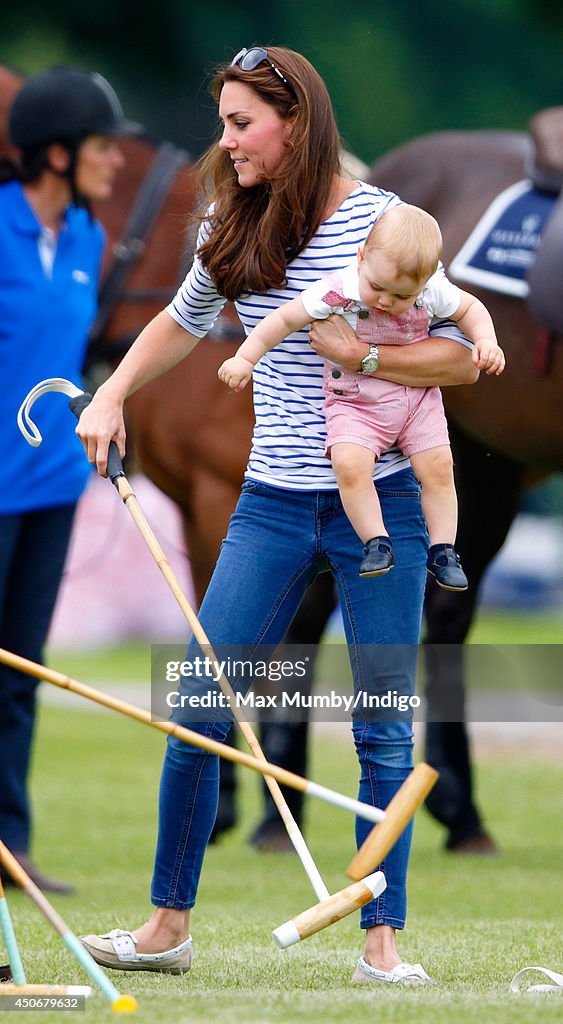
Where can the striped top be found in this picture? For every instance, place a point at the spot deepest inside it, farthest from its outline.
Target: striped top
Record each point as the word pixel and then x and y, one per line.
pixel 288 444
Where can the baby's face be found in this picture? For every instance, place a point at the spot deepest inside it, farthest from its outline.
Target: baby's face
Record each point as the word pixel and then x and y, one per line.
pixel 380 286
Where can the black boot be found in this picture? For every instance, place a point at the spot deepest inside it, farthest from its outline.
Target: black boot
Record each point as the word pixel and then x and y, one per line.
pixel 42 881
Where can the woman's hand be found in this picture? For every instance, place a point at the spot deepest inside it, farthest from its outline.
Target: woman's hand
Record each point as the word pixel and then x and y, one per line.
pixel 437 361
pixel 100 423
pixel 334 339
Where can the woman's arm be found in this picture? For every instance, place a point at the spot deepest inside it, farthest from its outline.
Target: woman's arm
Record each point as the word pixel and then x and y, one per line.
pixel 161 345
pixel 433 362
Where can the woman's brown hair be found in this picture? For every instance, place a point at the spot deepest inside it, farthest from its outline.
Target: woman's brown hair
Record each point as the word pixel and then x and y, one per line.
pixel 255 232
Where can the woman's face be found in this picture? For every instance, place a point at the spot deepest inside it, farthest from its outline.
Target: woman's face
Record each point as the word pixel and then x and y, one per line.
pixel 254 134
pixel 98 161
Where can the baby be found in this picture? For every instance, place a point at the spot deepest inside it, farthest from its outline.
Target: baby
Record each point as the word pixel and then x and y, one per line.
pixel 388 295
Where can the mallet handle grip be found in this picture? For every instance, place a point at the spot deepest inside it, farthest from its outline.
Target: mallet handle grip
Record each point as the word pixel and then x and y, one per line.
pixel 398 813
pixel 115 465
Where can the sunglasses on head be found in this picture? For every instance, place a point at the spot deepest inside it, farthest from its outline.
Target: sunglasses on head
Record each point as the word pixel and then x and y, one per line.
pixel 248 60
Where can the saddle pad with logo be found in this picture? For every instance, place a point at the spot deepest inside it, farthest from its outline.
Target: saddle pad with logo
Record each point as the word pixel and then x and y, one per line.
pixel 502 246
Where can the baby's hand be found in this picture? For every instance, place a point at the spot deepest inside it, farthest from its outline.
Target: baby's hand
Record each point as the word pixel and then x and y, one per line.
pixel 236 372
pixel 488 356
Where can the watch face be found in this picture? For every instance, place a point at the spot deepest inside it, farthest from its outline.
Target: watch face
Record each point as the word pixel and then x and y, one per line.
pixel 370 364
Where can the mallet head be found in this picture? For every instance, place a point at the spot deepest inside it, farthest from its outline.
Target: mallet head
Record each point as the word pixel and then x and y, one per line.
pixel 330 910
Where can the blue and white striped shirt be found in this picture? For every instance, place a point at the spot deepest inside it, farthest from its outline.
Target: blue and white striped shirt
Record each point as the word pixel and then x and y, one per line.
pixel 289 434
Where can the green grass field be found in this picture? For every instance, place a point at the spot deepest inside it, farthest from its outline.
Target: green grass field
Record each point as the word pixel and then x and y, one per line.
pixel 472 923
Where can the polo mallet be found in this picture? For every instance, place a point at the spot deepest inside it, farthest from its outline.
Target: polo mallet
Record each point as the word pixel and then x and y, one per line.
pixel 330 909
pixel 196 739
pixel 15 968
pixel 375 847
pixel 119 1003
pixel 79 401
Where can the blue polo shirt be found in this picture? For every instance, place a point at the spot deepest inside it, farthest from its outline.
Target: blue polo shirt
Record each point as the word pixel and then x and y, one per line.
pixel 44 323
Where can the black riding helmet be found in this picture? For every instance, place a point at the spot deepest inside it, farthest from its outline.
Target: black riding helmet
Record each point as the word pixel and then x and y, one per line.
pixel 65 105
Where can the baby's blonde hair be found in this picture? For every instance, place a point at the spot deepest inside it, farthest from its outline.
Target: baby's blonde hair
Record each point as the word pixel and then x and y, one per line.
pixel 411 238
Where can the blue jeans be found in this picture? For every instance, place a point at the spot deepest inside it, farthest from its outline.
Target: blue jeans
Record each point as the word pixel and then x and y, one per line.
pixel 33 547
pixel 277 542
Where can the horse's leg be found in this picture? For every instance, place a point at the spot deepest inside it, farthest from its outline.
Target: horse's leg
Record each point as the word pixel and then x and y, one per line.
pixel 489 488
pixel 285 742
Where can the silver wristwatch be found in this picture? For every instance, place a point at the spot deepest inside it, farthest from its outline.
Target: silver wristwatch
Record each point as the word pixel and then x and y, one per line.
pixel 370 363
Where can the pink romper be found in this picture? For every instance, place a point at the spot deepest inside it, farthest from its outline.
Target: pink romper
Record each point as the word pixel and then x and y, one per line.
pixel 372 412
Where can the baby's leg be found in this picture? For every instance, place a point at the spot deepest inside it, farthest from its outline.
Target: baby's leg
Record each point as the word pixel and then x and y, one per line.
pixel 434 469
pixel 353 466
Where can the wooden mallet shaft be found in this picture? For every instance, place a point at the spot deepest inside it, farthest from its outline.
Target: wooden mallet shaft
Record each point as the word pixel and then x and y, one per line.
pixel 398 813
pixel 196 739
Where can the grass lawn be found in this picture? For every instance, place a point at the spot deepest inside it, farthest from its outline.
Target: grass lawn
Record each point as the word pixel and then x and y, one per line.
pixel 472 923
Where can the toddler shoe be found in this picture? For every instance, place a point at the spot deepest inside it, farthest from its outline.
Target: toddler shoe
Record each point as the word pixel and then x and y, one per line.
pixel 378 557
pixel 444 564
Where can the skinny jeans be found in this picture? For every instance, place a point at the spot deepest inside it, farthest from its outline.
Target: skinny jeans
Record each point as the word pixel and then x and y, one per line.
pixel 277 542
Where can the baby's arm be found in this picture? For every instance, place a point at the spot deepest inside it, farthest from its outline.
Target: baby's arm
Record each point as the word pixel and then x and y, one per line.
pixel 475 321
pixel 237 371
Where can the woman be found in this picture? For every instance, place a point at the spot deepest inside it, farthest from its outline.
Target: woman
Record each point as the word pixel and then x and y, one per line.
pixel 283 216
pixel 62 122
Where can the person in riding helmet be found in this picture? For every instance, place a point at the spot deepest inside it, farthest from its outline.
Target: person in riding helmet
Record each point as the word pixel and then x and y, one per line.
pixel 63 124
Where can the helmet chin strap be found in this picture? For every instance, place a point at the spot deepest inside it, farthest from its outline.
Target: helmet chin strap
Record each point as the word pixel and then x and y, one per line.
pixel 76 197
